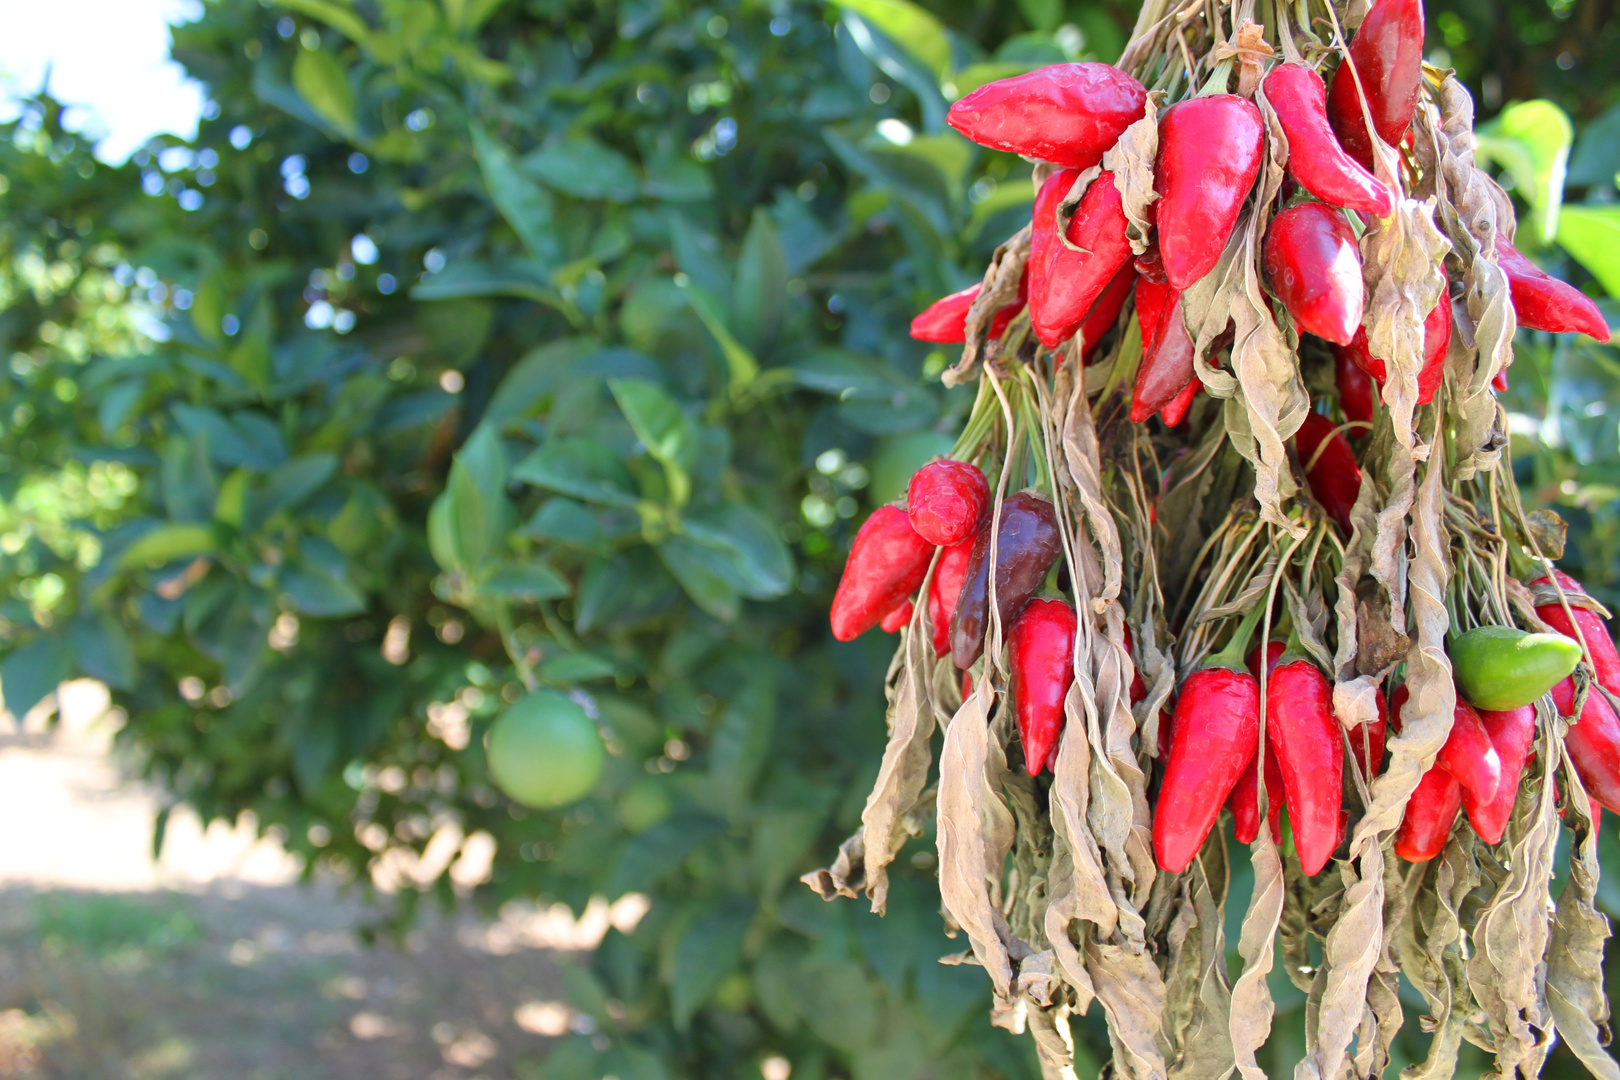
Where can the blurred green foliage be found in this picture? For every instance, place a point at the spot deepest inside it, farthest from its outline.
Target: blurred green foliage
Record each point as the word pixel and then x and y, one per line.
pixel 479 344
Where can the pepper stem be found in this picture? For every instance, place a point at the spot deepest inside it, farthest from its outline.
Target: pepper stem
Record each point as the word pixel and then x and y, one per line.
pixel 1237 647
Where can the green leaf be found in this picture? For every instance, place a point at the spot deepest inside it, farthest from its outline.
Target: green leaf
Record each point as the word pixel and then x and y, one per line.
pixel 663 429
pixel 322 80
pixel 1596 161
pixel 741 742
pixel 840 1003
pixel 581 166
pixel 757 295
pixel 31 673
pixel 524 280
pixel 527 581
pixel 1592 235
pixel 480 514
pixel 744 368
pixel 525 205
pixel 758 563
pixel 910 26
pixel 580 467
pixel 1531 140
pixel 572 1058
pixel 251 357
pixel 566 669
pixel 338 17
pixel 1042 14
pixel 104 650
pixel 708 951
pixel 313 588
pixel 165 544
pixel 705 573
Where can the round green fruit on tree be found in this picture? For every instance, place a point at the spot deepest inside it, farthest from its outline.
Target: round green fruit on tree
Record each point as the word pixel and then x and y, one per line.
pixel 544 751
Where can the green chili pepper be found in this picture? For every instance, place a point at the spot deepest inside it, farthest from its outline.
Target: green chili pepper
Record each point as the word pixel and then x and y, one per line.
pixel 1500 667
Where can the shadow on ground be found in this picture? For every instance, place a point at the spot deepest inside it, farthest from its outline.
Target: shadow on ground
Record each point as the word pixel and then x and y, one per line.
pixel 259 983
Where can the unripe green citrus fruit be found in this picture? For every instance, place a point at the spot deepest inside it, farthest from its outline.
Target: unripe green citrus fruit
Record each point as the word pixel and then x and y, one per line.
pixel 544 751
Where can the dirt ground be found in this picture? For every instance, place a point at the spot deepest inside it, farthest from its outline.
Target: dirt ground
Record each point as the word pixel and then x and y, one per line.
pixel 213 965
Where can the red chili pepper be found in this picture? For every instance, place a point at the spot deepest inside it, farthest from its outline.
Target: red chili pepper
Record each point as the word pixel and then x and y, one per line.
pixel 1151 266
pixel 1209 156
pixel 1542 302
pixel 945 321
pixel 1167 368
pixel 1105 314
pixel 1041 654
pixel 887 563
pixel 1068 114
pixel 898 619
pixel 1314 265
pixel 1215 733
pixel 1436 344
pixel 1304 733
pixel 1315 158
pixel 1468 754
pixel 1605 657
pixel 1065 284
pixel 1335 478
pixel 1513 733
pixel 1175 412
pixel 1027 545
pixel 1593 743
pixel 1387 53
pixel 1499 381
pixel 1430 814
pixel 1245 800
pixel 944 591
pixel 1367 740
pixel 1358 397
pixel 946 500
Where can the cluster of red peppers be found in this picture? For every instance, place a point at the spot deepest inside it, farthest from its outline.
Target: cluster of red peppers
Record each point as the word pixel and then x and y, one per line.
pixel 1139 629
pixel 1082 270
pixel 946 525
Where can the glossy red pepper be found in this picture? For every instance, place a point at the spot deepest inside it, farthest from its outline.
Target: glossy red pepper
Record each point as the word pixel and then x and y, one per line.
pixel 1513 733
pixel 1593 743
pixel 1214 734
pixel 1245 800
pixel 1065 284
pixel 1027 545
pixel 1305 735
pixel 887 564
pixel 1314 266
pixel 1605 658
pixel 1175 412
pixel 1041 661
pixel 1542 302
pixel 1315 158
pixel 898 619
pixel 946 500
pixel 1468 754
pixel 1358 396
pixel 1105 314
pixel 1209 156
pixel 1068 114
pixel 1430 814
pixel 1436 344
pixel 1166 369
pixel 1499 381
pixel 1387 53
pixel 944 591
pixel 1335 478
pixel 945 321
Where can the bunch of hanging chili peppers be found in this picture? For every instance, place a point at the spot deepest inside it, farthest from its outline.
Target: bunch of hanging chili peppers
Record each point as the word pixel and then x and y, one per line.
pixel 1159 577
